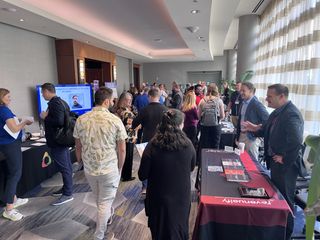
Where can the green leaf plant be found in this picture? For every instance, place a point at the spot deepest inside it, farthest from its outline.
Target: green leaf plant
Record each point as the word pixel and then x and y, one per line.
pixel 313 203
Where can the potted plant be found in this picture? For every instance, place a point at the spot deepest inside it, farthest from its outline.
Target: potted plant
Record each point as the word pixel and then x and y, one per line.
pixel 313 203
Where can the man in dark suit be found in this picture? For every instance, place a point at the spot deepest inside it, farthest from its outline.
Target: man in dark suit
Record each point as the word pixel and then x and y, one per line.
pixel 283 137
pixel 254 111
pixel 234 104
pixel 149 118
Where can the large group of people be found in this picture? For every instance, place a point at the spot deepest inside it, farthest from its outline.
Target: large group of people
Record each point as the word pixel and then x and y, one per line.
pixel 176 126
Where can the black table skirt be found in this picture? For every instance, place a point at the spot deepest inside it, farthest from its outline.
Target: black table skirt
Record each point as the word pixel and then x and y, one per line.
pixel 33 170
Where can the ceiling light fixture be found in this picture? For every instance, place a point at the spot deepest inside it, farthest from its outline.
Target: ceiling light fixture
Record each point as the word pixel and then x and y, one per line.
pixel 21 20
pixel 200 37
pixel 195 11
pixel 193 29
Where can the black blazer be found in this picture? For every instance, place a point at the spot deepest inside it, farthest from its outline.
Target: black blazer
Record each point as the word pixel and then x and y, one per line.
pixel 55 119
pixel 149 117
pixel 286 137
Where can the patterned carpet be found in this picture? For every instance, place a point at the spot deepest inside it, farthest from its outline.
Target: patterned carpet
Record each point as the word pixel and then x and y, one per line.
pixel 76 220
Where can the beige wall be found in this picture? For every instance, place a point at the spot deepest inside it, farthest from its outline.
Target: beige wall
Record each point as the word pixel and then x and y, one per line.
pixel 123 74
pixel 168 72
pixel 27 59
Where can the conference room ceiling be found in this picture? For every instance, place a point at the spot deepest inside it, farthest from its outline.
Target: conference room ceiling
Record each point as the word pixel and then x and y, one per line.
pixel 142 30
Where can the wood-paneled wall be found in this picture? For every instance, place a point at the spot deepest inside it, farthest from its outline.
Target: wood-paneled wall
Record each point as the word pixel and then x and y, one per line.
pixel 69 51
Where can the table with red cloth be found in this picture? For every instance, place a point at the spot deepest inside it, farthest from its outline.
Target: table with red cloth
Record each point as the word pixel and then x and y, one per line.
pixel 224 215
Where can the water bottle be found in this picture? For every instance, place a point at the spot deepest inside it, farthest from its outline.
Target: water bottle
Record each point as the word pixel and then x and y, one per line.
pixel 23 137
pixel 42 133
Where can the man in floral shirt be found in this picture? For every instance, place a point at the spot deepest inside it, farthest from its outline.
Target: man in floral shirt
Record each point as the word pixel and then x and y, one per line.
pixel 100 144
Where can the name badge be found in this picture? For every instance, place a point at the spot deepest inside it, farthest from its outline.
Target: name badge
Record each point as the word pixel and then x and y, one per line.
pixel 236 102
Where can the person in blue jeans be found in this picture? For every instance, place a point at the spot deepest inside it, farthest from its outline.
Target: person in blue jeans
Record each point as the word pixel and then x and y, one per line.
pixel 10 146
pixel 54 119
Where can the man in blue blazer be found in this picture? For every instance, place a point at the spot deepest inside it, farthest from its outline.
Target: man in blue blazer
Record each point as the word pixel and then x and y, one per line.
pixel 283 137
pixel 254 111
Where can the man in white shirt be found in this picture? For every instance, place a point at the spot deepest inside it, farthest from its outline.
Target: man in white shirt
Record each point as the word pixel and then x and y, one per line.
pixel 100 144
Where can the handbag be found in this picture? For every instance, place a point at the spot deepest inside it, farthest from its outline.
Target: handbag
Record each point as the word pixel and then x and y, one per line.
pixel 64 135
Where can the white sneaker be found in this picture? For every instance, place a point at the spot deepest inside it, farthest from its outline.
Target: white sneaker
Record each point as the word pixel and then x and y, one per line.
pixel 20 202
pixel 12 215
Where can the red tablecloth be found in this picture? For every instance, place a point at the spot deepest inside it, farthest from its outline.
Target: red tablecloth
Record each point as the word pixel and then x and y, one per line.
pixel 223 214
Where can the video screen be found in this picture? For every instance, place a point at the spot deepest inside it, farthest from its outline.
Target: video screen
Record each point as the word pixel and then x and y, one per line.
pixel 78 97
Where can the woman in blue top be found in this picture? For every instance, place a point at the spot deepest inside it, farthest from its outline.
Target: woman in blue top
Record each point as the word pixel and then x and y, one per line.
pixel 11 148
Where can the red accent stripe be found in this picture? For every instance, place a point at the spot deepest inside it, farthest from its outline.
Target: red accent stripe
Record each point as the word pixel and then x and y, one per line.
pixel 245 211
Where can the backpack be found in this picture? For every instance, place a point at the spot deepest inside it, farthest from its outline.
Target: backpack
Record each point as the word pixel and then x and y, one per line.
pixel 210 113
pixel 64 135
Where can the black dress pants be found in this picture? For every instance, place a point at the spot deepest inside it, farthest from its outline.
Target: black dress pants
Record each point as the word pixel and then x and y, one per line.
pixel 285 181
pixel 126 173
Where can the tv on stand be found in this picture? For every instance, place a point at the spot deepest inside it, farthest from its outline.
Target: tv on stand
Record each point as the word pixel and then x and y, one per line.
pixel 77 96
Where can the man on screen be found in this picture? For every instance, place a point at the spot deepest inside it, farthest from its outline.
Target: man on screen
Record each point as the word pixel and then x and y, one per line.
pixel 75 103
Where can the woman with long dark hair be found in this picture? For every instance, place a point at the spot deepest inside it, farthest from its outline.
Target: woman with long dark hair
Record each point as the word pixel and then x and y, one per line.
pixel 166 163
pixel 11 148
pixel 127 112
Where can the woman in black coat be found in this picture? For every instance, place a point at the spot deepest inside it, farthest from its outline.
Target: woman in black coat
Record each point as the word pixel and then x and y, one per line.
pixel 167 162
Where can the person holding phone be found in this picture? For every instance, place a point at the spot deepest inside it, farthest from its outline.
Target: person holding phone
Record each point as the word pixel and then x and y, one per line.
pixel 10 146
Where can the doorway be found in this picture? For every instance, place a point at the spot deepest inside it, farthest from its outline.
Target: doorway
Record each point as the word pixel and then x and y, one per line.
pixel 136 75
pixel 97 70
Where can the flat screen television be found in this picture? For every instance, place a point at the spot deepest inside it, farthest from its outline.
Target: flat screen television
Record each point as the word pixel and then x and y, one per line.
pixel 78 97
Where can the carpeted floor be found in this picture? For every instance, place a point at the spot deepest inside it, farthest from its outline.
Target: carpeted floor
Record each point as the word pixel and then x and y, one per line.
pixel 76 220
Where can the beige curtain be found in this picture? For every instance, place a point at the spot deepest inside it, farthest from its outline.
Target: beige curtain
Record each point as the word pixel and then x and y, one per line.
pixel 289 53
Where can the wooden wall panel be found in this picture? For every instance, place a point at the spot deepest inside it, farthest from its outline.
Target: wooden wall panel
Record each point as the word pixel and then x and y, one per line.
pixel 66 70
pixel 68 53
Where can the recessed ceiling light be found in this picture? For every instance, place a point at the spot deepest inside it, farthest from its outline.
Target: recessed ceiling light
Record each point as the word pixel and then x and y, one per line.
pixel 21 20
pixel 157 40
pixel 200 37
pixel 195 11
pixel 9 9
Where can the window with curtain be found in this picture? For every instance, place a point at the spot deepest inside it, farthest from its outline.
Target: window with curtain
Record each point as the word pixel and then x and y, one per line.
pixel 289 53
